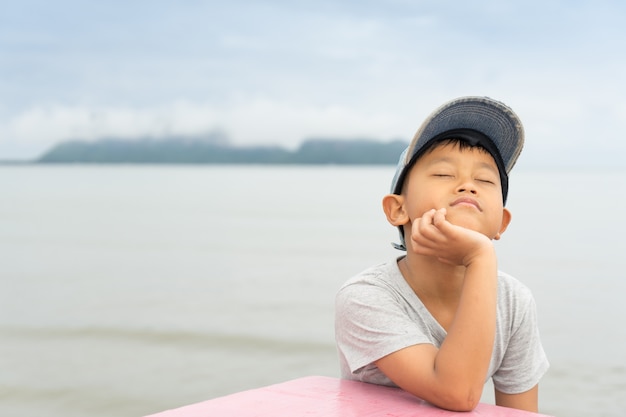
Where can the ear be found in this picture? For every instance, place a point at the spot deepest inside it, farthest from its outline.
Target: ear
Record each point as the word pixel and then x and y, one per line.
pixel 393 206
pixel 506 219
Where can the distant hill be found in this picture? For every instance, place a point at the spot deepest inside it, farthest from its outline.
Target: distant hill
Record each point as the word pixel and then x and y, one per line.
pixel 188 151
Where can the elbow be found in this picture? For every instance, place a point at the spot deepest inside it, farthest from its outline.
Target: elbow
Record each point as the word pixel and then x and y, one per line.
pixel 465 404
pixel 460 400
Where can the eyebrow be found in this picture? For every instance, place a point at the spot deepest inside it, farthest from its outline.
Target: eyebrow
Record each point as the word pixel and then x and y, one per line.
pixel 447 159
pixel 489 166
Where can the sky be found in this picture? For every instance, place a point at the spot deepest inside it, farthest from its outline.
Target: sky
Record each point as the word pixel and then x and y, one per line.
pixel 278 72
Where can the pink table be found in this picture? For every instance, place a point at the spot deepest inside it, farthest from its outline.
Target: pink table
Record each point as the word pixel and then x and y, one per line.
pixel 318 396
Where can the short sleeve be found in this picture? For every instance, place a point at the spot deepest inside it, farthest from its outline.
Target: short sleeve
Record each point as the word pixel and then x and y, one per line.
pixel 377 313
pixel 524 361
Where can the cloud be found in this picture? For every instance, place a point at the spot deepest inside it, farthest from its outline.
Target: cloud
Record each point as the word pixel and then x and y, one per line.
pixel 287 123
pixel 61 122
pixel 260 121
pixel 277 72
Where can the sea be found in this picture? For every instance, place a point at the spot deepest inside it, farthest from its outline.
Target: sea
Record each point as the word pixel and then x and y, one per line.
pixel 132 289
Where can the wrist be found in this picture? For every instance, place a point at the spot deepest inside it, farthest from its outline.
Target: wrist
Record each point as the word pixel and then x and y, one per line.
pixel 484 254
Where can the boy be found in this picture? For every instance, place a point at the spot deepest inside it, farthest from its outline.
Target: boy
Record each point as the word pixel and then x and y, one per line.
pixel 442 319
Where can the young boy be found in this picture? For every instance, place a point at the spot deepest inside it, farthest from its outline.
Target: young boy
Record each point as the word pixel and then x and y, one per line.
pixel 441 320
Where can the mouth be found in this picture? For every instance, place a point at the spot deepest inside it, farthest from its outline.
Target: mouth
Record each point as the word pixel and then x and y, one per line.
pixel 466 201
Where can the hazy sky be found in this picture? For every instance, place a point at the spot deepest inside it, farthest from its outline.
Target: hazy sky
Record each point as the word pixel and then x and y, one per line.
pixel 278 72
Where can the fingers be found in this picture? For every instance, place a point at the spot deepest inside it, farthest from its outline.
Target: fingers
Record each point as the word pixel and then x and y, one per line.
pixel 439 217
pixel 426 231
pixel 432 221
pixel 429 234
pixel 433 235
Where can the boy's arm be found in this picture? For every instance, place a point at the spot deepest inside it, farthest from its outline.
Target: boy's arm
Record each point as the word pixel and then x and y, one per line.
pixel 528 400
pixel 452 376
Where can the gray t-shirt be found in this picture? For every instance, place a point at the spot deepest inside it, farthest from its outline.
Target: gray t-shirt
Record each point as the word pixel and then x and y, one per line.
pixel 377 313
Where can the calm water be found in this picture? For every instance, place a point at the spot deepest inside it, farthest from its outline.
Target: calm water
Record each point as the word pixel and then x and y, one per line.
pixel 129 290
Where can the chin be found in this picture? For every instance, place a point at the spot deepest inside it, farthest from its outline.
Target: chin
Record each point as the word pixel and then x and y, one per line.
pixel 468 222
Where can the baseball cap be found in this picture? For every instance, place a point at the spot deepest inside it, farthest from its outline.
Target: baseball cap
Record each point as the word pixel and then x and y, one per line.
pixel 478 120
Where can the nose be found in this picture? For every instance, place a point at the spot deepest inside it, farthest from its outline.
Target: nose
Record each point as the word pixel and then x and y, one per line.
pixel 467 186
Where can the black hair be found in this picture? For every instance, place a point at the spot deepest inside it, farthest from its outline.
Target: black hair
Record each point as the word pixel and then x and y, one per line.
pixel 466 139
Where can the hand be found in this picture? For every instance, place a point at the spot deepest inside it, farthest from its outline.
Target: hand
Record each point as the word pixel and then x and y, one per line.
pixel 433 235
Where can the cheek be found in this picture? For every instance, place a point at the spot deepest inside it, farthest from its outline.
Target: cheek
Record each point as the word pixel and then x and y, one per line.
pixel 417 207
pixel 419 200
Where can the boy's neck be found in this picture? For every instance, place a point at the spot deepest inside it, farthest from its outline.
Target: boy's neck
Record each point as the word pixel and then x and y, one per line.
pixel 432 280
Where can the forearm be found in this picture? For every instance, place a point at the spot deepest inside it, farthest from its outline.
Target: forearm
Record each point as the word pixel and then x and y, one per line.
pixel 464 357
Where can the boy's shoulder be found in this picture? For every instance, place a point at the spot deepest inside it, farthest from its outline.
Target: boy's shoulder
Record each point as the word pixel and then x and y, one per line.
pixel 515 299
pixel 380 280
pixel 385 281
pixel 385 273
pixel 511 285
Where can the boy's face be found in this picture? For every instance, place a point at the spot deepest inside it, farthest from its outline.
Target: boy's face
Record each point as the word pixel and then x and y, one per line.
pixel 465 182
